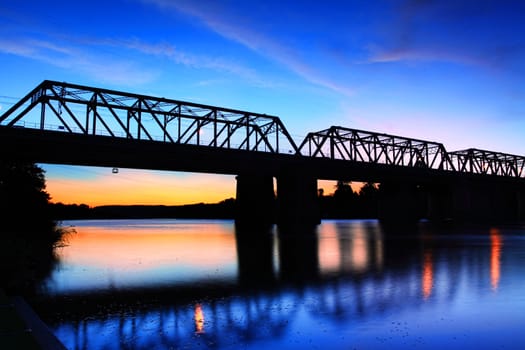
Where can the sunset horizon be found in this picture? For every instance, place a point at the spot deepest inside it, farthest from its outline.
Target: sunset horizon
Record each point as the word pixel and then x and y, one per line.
pixel 144 187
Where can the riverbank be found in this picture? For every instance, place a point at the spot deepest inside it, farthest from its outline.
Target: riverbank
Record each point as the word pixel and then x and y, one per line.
pixel 21 328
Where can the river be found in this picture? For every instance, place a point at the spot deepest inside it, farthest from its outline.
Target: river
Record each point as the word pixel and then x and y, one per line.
pixel 195 284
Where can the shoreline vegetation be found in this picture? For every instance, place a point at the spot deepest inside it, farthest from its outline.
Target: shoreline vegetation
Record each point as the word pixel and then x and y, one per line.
pixel 28 233
pixel 222 210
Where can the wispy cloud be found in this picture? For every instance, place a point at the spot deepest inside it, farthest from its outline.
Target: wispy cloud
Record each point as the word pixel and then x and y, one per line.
pixel 222 20
pixel 80 54
pixel 70 57
pixel 422 54
pixel 191 60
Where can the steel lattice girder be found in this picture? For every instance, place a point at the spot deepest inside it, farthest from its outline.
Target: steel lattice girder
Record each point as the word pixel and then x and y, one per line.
pixel 479 161
pixel 94 111
pixel 363 146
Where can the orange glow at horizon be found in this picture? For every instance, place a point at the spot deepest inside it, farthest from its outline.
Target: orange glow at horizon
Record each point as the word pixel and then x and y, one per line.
pixel 427 278
pixel 496 245
pixel 129 186
pixel 199 319
pixel 97 186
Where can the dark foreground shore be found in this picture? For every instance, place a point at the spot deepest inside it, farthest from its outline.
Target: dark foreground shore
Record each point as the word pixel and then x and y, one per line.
pixel 21 328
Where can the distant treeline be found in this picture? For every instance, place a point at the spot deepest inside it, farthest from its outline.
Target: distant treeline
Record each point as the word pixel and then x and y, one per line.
pixel 222 210
pixel 344 203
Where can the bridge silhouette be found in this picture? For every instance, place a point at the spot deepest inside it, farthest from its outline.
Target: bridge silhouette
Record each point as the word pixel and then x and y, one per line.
pixel 64 123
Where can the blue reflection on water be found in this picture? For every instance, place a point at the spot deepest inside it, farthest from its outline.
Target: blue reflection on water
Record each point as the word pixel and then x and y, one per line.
pixel 344 285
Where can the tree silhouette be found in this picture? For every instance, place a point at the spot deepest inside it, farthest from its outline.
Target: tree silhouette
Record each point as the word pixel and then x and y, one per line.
pixel 344 204
pixel 343 189
pixel 369 200
pixel 24 203
pixel 27 233
pixel 369 190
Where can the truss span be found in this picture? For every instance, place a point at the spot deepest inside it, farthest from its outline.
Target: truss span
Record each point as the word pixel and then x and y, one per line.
pixel 93 111
pixel 485 162
pixel 364 146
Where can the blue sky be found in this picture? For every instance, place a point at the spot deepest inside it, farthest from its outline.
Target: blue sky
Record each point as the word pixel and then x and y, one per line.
pixel 445 71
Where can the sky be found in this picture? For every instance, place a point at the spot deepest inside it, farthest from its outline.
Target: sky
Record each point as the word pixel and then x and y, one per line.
pixel 444 71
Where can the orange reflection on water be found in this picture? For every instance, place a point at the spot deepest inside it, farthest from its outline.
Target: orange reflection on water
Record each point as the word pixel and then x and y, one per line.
pixel 198 316
pixel 379 249
pixel 329 252
pixel 138 249
pixel 427 278
pixel 350 247
pixel 496 244
pixel 359 250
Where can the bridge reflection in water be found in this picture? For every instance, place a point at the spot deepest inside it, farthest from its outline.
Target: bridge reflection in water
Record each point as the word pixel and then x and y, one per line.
pixel 302 289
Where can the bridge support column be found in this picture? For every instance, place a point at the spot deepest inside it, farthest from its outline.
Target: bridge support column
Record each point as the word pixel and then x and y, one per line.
pixel 520 203
pixel 400 203
pixel 255 200
pixel 476 201
pixel 439 203
pixel 503 204
pixel 298 202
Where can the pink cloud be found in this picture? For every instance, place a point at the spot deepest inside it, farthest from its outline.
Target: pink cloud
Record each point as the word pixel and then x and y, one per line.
pixel 423 54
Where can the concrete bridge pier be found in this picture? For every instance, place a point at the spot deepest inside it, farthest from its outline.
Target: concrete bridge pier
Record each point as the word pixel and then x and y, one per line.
pixel 468 200
pixel 520 202
pixel 400 202
pixel 254 200
pixel 502 204
pixel 439 198
pixel 471 202
pixel 297 201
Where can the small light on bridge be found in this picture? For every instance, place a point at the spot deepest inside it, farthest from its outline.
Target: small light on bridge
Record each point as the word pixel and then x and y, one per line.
pixel 114 170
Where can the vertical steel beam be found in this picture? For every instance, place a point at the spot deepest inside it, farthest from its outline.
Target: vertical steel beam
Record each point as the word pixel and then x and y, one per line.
pixel 42 113
pixel 93 101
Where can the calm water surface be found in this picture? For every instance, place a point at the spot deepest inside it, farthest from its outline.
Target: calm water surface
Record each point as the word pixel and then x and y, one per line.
pixel 180 284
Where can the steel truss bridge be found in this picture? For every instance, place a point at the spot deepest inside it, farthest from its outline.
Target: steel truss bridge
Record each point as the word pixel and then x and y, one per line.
pixel 61 107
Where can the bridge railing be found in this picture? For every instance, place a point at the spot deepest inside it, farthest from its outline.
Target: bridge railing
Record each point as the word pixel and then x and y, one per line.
pixel 363 146
pixel 93 111
pixel 485 162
